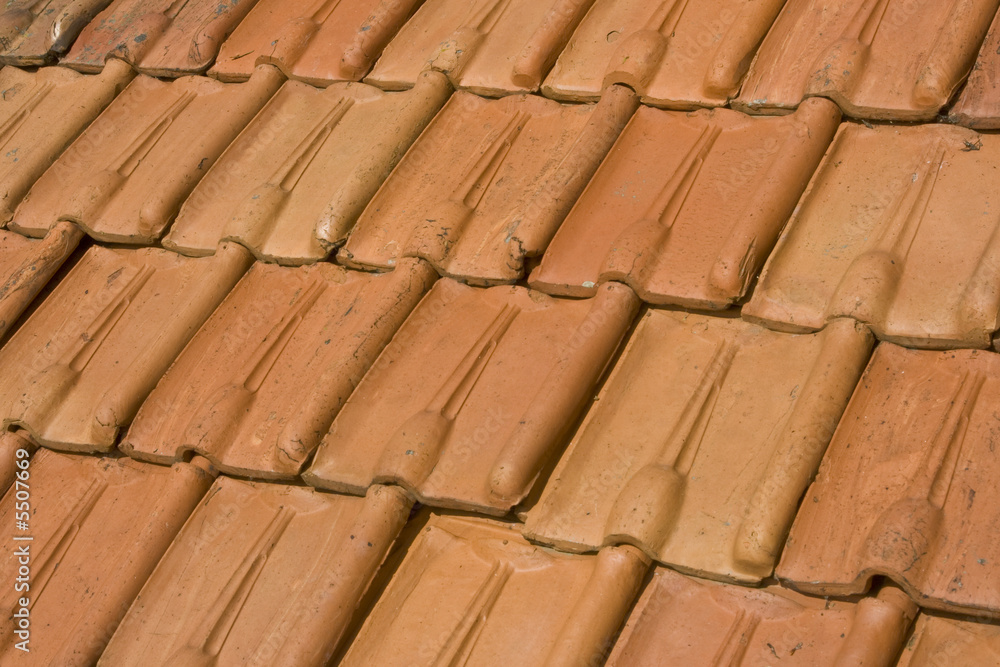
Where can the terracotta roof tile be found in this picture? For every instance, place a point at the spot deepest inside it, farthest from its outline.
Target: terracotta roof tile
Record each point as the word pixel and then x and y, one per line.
pixel 683 621
pixel 160 37
pixel 34 33
pixel 26 265
pixel 875 58
pixel 487 184
pixel 896 230
pixel 472 591
pixel 78 369
pixel 489 47
pixel 99 526
pixel 907 485
pixel 318 41
pixel 675 54
pixel 938 641
pixel 41 112
pixel 472 395
pixel 125 177
pixel 10 443
pixel 979 104
pixel 259 385
pixel 686 207
pixel 294 182
pixel 682 456
pixel 260 574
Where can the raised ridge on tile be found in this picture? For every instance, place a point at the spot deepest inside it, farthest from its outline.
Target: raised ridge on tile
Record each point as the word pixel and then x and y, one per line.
pixel 318 41
pixel 35 33
pixel 679 620
pixel 978 106
pixel 950 642
pixel 41 113
pixel 686 207
pixel 874 58
pixel 674 53
pixel 488 47
pixel 471 591
pixel 26 265
pixel 258 386
pixel 125 177
pixel 487 184
pixel 472 395
pixel 262 574
pixel 98 526
pixel 898 229
pixel 907 485
pixel 684 457
pixel 291 186
pixel 160 37
pixel 77 370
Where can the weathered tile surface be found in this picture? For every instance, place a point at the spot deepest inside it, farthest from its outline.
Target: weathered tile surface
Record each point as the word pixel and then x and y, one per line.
pixel 946 642
pixel 160 37
pixel 683 621
pixel 874 58
pixel 35 33
pixel 41 113
pixel 293 183
pixel 257 388
pixel 898 229
pixel 674 53
pixel 262 574
pixel 125 177
pixel 489 47
pixel 472 591
pixel 907 487
pixel 686 207
pixel 77 370
pixel 98 528
pixel 685 457
pixel 318 41
pixel 487 184
pixel 978 106
pixel 470 398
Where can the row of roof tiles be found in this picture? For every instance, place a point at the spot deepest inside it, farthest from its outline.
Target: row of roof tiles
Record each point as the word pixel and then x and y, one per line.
pixel 464 396
pixel 480 188
pixel 234 572
pixel 765 55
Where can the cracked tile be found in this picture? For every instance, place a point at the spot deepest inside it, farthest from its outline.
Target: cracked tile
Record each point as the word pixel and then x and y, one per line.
pixel 683 456
pixel 291 186
pixel 683 621
pixel 76 371
pixel 898 229
pixel 125 177
pixel 41 113
pixel 907 486
pixel 488 47
pixel 874 58
pixel 319 41
pixel 473 394
pixel 258 386
pixel 940 640
pixel 160 37
pixel 472 591
pixel 686 207
pixel 260 574
pixel 487 184
pixel 674 53
pixel 98 528
pixel 35 33
pixel 978 105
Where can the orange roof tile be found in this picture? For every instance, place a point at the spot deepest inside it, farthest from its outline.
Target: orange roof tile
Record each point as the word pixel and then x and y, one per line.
pixel 35 33
pixel 940 640
pixel 907 485
pixel 979 104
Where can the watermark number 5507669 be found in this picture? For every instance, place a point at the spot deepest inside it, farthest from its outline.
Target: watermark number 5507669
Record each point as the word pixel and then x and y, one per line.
pixel 22 549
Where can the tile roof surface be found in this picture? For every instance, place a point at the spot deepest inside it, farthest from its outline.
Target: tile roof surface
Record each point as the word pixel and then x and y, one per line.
pixel 502 332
